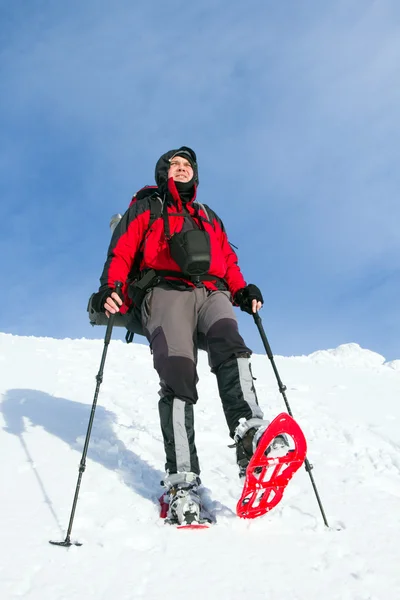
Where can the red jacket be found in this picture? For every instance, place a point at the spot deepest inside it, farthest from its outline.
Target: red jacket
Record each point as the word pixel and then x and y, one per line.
pixel 133 236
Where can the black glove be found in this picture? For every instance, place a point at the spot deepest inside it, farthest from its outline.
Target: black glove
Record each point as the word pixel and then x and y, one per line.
pixel 98 299
pixel 245 297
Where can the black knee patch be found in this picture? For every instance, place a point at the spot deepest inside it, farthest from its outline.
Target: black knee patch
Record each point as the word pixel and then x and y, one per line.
pixel 178 374
pixel 224 341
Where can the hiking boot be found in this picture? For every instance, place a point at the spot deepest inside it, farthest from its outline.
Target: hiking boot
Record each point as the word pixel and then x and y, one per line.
pixel 247 435
pixel 183 498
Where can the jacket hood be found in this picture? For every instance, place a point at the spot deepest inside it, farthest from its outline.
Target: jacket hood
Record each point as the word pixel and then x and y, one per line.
pixel 162 166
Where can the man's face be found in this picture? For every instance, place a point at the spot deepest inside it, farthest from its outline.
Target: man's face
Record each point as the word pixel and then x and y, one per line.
pixel 180 169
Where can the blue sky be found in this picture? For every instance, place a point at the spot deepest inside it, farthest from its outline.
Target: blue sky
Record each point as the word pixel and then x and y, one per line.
pixel 293 110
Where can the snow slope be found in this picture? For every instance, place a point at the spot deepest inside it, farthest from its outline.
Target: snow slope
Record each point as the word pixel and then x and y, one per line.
pixel 347 402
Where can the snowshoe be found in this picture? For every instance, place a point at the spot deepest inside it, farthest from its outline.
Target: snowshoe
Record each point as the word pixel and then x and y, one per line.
pixel 280 451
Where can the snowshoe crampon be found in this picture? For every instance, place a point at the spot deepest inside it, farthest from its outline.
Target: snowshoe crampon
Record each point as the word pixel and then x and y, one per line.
pixel 269 472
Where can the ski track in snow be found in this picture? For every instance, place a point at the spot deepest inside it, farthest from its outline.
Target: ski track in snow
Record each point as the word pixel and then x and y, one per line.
pixel 347 402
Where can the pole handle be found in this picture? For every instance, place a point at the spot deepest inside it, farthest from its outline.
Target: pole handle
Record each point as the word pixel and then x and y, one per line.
pixel 118 287
pixel 110 324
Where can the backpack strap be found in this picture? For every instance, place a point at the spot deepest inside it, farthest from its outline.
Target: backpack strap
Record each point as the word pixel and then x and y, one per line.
pixel 156 210
pixel 129 336
pixel 156 207
pixel 203 208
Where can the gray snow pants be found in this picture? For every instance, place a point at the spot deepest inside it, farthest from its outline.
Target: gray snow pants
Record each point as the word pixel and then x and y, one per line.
pixel 177 323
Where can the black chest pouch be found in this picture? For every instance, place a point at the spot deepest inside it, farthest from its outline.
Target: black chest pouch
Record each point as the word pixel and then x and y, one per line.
pixel 191 250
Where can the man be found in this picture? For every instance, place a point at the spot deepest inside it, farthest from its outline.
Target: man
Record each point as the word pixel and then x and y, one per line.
pixel 195 279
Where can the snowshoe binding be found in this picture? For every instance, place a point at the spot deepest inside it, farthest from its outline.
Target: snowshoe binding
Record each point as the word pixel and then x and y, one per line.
pixel 247 436
pixel 181 503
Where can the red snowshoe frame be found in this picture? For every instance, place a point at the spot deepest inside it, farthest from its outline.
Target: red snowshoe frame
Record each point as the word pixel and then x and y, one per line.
pixel 267 478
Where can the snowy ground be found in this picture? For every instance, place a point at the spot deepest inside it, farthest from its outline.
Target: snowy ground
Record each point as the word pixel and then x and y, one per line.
pixel 347 402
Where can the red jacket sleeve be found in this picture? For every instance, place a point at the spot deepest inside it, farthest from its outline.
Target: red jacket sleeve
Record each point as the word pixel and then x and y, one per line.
pixel 233 275
pixel 125 244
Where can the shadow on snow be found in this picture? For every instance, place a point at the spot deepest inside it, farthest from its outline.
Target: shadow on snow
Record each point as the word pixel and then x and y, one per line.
pixel 68 420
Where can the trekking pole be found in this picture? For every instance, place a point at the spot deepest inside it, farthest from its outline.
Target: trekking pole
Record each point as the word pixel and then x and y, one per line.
pixel 99 378
pixel 282 389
